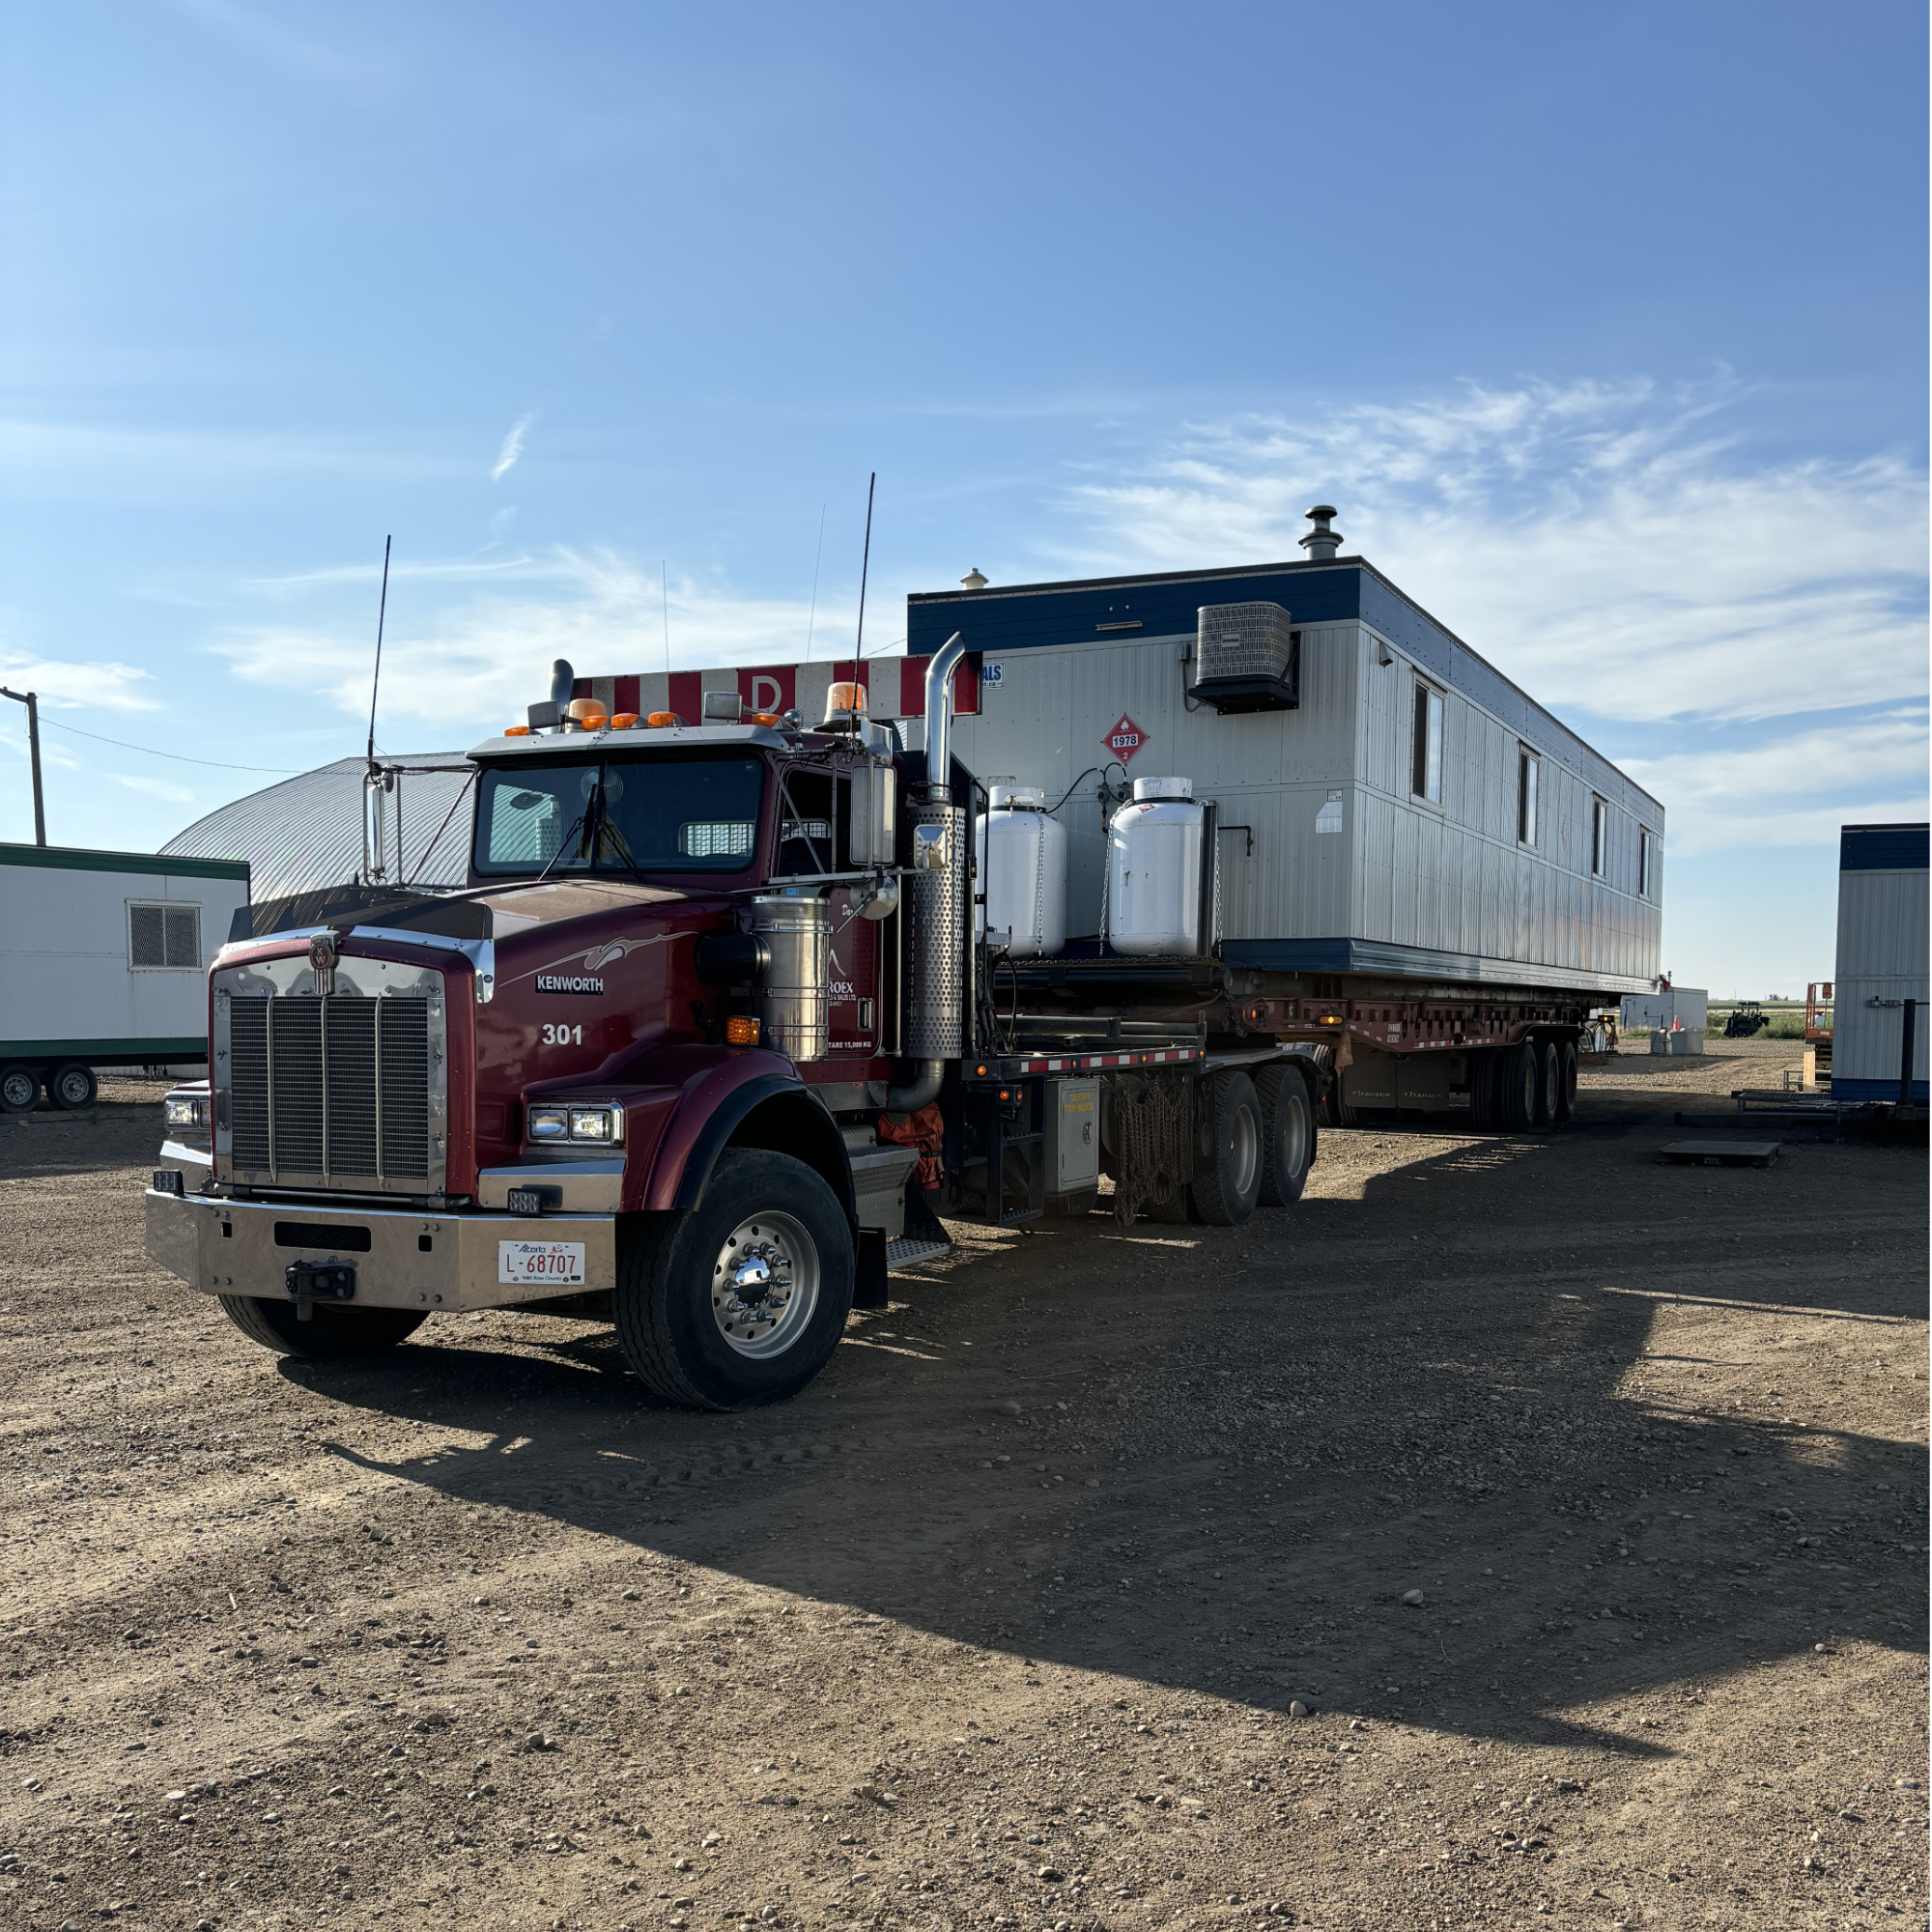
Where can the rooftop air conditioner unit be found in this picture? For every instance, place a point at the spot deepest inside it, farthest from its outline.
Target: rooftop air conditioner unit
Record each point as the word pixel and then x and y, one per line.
pixel 1247 659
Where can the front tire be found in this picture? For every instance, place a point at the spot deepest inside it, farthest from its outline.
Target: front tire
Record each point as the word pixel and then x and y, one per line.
pixel 19 1089
pixel 1288 1134
pixel 331 1334
pixel 742 1300
pixel 1225 1194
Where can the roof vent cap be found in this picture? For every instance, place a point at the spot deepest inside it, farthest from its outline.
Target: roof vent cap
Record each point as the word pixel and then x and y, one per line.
pixel 1321 543
pixel 973 581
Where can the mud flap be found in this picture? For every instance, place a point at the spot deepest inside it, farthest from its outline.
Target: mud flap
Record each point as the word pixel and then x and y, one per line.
pixel 869 1282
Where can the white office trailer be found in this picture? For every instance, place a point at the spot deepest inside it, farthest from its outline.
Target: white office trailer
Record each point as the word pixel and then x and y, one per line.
pixel 1392 804
pixel 103 962
pixel 1879 1015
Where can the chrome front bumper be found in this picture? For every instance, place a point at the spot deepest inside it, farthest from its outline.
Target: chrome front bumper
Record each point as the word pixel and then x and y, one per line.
pixel 412 1260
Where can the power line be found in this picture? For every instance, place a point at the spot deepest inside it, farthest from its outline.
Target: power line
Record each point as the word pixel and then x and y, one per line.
pixel 180 758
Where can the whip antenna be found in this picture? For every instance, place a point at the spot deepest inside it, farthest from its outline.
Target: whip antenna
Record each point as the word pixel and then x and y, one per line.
pixel 376 683
pixel 865 565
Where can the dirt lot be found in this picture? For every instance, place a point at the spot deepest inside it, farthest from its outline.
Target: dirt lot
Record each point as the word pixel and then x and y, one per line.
pixel 1012 1620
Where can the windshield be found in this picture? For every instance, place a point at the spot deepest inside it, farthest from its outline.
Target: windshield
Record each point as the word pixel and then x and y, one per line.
pixel 667 816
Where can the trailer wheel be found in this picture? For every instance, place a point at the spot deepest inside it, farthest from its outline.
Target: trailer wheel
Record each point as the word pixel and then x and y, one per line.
pixel 1288 1134
pixel 19 1089
pixel 1518 1080
pixel 331 1334
pixel 742 1300
pixel 72 1086
pixel 1565 1079
pixel 1485 1063
pixel 1225 1194
pixel 1549 1082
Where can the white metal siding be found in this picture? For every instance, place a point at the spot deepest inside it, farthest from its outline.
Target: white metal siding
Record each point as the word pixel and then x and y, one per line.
pixel 1449 879
pixel 63 958
pixel 1882 956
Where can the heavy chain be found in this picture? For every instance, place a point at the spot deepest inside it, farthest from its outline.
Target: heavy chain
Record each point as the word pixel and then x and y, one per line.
pixel 1152 1143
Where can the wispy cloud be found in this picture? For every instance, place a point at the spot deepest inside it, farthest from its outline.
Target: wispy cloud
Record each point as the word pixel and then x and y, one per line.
pixel 156 788
pixel 484 657
pixel 101 686
pixel 513 447
pixel 1608 546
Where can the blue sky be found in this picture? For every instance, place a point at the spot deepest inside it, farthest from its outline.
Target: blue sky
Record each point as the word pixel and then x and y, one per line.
pixel 1606 328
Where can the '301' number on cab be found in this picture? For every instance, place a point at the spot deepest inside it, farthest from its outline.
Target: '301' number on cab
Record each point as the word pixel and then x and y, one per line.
pixel 563 1036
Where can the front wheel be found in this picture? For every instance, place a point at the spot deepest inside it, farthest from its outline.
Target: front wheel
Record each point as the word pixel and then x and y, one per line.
pixel 19 1089
pixel 742 1300
pixel 332 1333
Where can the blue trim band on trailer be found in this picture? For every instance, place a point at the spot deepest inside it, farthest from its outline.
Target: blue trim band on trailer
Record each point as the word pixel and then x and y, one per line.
pixel 1418 962
pixel 1878 1090
pixel 1885 848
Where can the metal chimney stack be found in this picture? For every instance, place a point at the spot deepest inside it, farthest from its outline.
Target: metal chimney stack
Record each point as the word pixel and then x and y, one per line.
pixel 1321 543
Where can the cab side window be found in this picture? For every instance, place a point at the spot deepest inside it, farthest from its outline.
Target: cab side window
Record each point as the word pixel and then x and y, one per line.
pixel 806 824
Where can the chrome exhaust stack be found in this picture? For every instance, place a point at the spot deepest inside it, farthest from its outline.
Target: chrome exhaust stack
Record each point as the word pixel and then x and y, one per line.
pixel 936 936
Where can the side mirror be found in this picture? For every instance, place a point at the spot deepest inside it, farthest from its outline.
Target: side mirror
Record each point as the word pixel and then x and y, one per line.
pixel 878 899
pixel 875 803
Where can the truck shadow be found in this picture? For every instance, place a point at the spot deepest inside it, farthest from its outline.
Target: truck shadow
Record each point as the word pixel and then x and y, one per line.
pixel 1237 1451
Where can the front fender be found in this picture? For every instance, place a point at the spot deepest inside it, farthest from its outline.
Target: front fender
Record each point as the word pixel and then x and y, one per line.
pixel 754 1099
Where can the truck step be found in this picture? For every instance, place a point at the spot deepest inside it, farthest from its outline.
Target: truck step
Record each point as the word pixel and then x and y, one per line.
pixel 907 1253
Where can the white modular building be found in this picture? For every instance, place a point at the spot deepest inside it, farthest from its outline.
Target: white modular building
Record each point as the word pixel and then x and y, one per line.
pixel 103 961
pixel 1384 801
pixel 1879 1013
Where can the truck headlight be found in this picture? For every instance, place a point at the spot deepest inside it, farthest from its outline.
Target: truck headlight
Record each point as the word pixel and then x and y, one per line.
pixel 602 1124
pixel 188 1110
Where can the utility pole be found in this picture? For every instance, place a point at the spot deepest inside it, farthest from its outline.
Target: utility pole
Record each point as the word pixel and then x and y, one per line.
pixel 31 699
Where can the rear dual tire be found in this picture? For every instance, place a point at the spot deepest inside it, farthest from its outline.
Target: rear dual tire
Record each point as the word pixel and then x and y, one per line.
pixel 1534 1088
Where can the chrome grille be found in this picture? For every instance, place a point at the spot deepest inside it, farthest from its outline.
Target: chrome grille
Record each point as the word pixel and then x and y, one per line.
pixel 339 1090
pixel 404 1052
pixel 248 1084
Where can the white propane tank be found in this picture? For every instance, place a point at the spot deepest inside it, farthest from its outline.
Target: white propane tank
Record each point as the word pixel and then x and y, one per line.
pixel 1022 872
pixel 1153 870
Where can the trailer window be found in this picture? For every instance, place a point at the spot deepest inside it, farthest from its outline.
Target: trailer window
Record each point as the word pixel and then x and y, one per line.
pixel 1425 776
pixel 674 816
pixel 1599 835
pixel 1529 769
pixel 167 936
pixel 1646 863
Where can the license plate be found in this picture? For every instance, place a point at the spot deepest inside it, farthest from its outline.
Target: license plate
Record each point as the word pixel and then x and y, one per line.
pixel 555 1263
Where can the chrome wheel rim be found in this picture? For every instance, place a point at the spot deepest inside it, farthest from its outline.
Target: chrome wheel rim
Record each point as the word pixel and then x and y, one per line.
pixel 764 1285
pixel 1245 1152
pixel 20 1091
pixel 73 1088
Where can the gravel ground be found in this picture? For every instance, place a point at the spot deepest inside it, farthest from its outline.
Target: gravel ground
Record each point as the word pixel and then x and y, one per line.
pixel 1077 1594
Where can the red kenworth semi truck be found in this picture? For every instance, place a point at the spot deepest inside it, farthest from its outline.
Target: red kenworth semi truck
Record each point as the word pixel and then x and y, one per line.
pixel 730 1007
pixel 709 1011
